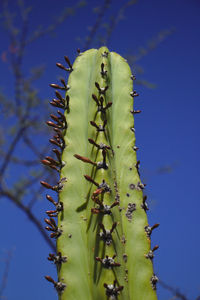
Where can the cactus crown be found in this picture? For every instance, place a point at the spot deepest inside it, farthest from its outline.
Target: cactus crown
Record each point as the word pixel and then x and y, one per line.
pixel 102 234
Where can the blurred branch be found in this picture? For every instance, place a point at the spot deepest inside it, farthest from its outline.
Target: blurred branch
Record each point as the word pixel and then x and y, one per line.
pixel 30 215
pixel 146 83
pixel 151 45
pixel 115 20
pixel 143 51
pixel 35 195
pixel 66 12
pixel 97 24
pixel 174 291
pixel 10 151
pixel 34 149
pixel 4 279
pixel 17 160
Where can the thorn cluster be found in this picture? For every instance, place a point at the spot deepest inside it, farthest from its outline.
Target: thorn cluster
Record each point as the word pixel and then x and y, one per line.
pixel 59 286
pixel 112 291
pixel 106 235
pixel 108 262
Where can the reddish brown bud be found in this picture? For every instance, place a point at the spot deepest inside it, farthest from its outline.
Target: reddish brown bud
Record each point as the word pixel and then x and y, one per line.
pixel 62 67
pixel 48 228
pixel 55 118
pixel 155 248
pixel 52 141
pixel 58 154
pixel 50 212
pixel 49 123
pixel 97 192
pixel 113 227
pixel 155 226
pixel 91 141
pixel 58 95
pixel 63 82
pixel 97 86
pixel 94 124
pixel 49 198
pixel 94 97
pixel 48 222
pixel 109 104
pixel 53 235
pixel 46 185
pixel 88 178
pixel 57 103
pixel 53 161
pixel 84 159
pixel 61 115
pixel 114 204
pixel 56 86
pixel 45 162
pixel 68 61
pixel 135 111
pixel 53 222
pixel 50 279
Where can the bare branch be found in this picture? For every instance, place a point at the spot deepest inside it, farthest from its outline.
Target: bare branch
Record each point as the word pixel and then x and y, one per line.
pixel 5 273
pixel 19 161
pixel 115 20
pixel 67 12
pixel 34 149
pixel 97 24
pixel 10 151
pixel 30 215
pixel 173 290
pixel 151 45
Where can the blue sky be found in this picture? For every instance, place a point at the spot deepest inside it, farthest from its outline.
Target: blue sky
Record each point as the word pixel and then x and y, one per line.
pixel 167 133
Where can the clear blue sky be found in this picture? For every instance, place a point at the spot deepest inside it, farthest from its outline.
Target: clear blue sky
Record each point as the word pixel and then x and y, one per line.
pixel 167 133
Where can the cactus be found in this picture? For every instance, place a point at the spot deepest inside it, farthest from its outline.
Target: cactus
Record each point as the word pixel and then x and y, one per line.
pixel 102 233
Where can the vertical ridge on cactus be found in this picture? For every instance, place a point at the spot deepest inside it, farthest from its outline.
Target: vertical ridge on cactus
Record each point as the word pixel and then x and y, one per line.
pixel 102 231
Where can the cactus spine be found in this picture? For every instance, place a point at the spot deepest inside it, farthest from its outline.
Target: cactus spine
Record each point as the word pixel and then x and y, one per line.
pixel 102 234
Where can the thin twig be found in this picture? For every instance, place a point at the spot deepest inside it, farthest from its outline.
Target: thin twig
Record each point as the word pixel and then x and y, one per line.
pixel 115 20
pixel 151 45
pixel 34 149
pixel 5 273
pixel 10 151
pixel 173 290
pixel 30 215
pixel 67 12
pixel 97 24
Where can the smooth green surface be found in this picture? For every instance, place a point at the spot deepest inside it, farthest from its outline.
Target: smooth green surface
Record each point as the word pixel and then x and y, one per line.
pixel 83 275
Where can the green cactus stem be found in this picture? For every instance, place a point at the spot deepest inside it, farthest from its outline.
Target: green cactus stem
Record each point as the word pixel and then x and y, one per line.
pixel 102 233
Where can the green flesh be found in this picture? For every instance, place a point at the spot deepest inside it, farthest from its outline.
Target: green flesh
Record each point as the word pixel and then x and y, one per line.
pixel 80 240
